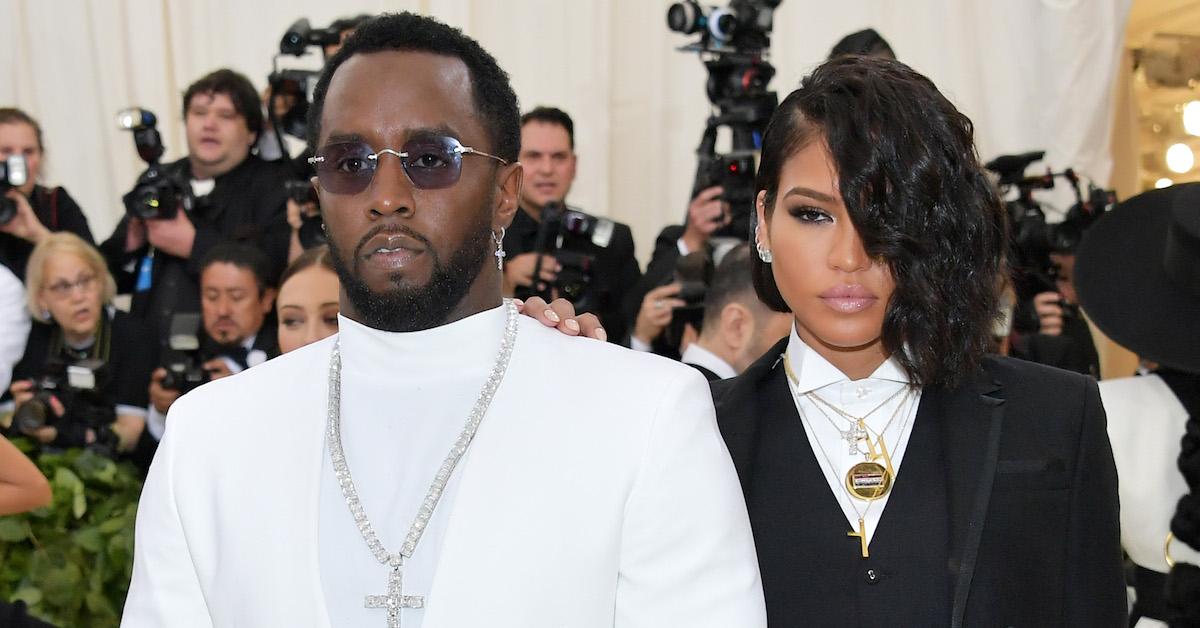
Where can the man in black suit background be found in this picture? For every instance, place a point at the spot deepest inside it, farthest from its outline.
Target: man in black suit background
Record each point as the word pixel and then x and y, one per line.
pixel 239 197
pixel 737 327
pixel 548 154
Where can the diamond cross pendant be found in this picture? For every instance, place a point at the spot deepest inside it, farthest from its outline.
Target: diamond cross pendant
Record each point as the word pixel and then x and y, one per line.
pixel 395 598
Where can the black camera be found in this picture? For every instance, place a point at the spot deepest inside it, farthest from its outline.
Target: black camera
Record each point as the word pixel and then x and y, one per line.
pixel 693 273
pixel 1033 240
pixel 76 385
pixel 181 358
pixel 734 42
pixel 293 88
pixel 158 193
pixel 14 173
pixel 567 235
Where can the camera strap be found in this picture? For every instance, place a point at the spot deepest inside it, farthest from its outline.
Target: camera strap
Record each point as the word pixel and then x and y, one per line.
pixel 145 272
pixel 99 350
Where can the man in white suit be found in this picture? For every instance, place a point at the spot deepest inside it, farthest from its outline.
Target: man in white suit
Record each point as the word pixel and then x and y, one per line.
pixel 439 463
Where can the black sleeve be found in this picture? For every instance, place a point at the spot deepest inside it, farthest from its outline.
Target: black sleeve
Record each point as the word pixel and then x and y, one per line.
pixel 659 272
pixel 69 216
pixel 132 359
pixel 1096 596
pixel 265 220
pixel 122 264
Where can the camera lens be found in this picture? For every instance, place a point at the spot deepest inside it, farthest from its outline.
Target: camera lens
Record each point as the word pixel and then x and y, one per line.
pixel 31 415
pixel 685 17
pixel 722 24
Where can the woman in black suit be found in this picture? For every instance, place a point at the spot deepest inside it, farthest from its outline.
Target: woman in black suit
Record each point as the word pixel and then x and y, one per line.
pixel 894 474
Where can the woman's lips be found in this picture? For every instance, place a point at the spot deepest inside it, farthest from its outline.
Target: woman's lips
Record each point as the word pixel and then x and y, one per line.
pixel 849 298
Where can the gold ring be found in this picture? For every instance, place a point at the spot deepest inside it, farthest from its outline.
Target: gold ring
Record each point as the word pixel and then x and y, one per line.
pixel 1167 550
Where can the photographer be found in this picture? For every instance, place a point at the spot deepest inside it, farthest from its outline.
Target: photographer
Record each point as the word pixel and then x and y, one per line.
pixel 1055 332
pixel 236 298
pixel 738 327
pixel 548 155
pixel 237 197
pixel 36 211
pixel 82 380
pixel 651 303
pixel 308 300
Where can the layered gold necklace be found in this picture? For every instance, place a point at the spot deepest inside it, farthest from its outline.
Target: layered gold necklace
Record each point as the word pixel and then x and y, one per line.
pixel 872 478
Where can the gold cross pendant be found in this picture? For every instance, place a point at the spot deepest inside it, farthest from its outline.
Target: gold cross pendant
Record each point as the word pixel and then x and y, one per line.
pixel 862 537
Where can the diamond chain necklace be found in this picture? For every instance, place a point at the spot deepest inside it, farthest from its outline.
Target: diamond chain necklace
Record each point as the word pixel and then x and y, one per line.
pixel 395 600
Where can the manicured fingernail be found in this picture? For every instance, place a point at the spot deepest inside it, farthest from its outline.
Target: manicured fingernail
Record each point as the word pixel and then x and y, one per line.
pixel 572 325
pixel 601 334
pixel 550 314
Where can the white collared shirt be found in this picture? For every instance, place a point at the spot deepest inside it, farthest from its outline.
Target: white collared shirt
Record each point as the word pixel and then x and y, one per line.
pixel 855 397
pixel 695 354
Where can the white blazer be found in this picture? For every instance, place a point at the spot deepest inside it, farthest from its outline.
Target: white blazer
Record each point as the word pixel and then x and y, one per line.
pixel 610 501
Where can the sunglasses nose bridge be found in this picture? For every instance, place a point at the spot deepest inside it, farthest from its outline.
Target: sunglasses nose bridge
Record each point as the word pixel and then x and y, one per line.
pixel 390 186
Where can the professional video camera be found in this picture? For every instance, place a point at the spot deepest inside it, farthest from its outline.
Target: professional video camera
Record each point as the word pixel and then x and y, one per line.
pixel 181 358
pixel 734 43
pixel 564 233
pixel 293 85
pixel 14 173
pixel 158 193
pixel 1033 240
pixel 77 387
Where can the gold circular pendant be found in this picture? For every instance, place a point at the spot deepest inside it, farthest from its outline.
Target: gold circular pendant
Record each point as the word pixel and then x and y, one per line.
pixel 868 480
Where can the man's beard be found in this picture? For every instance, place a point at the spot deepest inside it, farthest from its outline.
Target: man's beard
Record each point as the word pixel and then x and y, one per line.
pixel 404 307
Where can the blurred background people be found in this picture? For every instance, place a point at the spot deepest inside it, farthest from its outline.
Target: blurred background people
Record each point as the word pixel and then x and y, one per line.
pixel 555 250
pixel 737 326
pixel 307 306
pixel 237 299
pixel 82 379
pixel 238 197
pixel 35 210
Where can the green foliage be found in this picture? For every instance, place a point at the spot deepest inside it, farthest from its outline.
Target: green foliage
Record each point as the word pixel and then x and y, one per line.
pixel 71 562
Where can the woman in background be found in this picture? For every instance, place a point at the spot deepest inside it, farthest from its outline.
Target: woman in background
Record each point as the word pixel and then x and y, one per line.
pixel 307 304
pixel 39 210
pixel 69 293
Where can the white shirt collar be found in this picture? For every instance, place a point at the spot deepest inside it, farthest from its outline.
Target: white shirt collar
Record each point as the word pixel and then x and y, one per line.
pixel 695 354
pixel 814 372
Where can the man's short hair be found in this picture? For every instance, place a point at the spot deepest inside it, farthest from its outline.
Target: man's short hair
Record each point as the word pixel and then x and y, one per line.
pixel 551 115
pixel 237 87
pixel 243 256
pixel 732 281
pixel 494 98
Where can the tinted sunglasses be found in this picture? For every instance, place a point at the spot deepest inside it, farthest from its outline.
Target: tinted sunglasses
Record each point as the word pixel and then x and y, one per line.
pixel 430 162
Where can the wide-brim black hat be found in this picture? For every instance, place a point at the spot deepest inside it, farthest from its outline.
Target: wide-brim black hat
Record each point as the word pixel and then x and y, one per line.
pixel 1137 273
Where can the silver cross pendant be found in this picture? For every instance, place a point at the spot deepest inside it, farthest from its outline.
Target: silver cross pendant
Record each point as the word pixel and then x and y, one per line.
pixel 395 598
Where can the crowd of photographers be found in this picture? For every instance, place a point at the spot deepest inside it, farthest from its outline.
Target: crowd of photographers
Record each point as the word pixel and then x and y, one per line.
pixel 222 256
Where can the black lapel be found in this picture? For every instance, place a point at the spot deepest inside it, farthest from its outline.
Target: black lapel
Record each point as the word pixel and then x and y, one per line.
pixel 741 404
pixel 971 417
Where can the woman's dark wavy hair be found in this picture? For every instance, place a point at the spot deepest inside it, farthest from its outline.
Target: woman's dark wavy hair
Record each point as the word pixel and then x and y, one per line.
pixel 916 193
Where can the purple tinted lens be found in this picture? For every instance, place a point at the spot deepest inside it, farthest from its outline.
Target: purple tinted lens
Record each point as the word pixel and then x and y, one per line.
pixel 433 162
pixel 347 167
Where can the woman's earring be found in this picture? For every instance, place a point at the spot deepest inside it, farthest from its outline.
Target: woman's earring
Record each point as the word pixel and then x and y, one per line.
pixel 764 253
pixel 499 240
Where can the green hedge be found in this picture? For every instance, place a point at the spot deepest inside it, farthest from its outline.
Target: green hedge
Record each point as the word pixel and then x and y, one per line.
pixel 71 561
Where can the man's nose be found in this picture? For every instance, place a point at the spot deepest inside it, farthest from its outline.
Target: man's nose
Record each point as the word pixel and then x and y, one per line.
pixel 391 190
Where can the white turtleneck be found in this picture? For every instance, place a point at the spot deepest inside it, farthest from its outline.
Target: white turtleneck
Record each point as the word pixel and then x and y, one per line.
pixel 856 397
pixel 405 399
